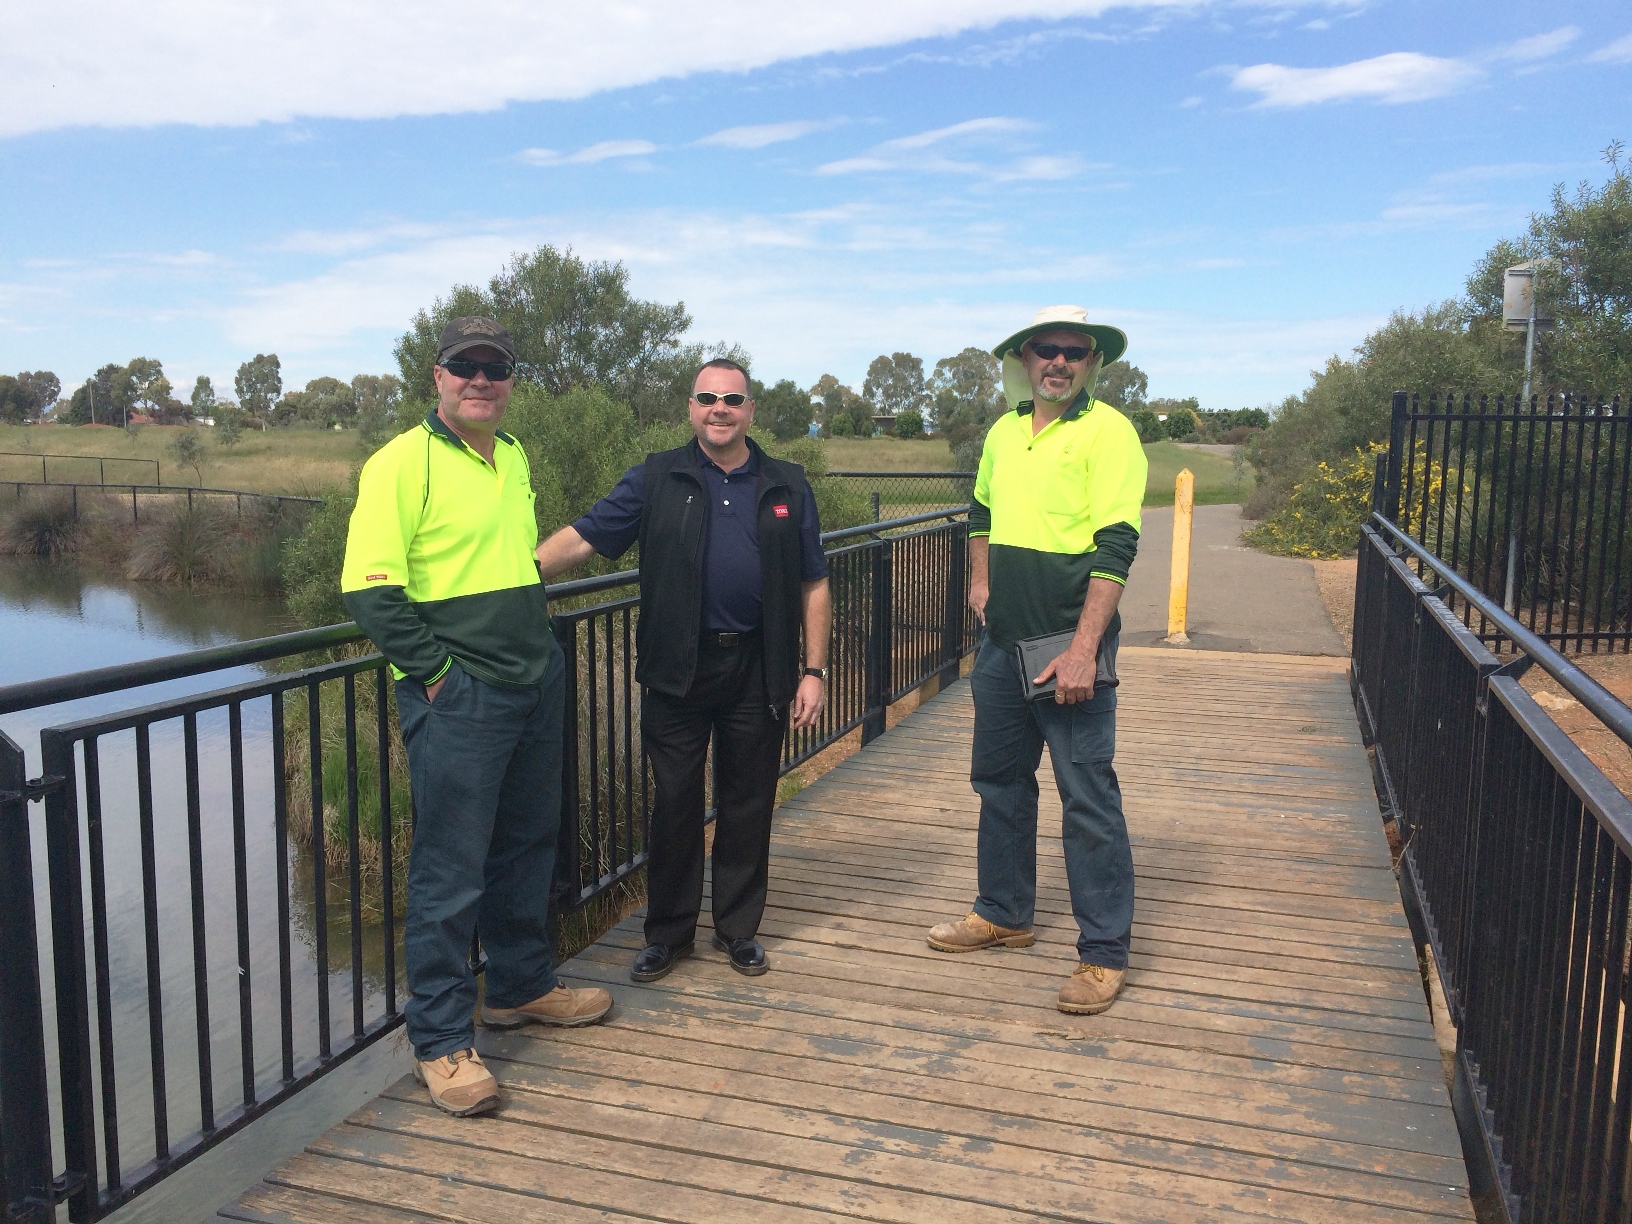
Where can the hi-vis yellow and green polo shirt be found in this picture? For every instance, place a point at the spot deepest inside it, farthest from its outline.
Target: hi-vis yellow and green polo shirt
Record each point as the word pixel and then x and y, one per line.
pixel 439 559
pixel 1059 508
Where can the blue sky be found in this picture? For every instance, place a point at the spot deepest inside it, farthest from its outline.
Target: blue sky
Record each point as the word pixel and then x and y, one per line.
pixel 1245 188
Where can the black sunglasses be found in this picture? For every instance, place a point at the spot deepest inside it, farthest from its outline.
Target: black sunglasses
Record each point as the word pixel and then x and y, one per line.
pixel 496 371
pixel 1072 352
pixel 734 399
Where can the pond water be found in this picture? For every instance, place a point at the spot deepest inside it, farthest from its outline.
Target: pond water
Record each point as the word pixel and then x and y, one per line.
pixel 57 618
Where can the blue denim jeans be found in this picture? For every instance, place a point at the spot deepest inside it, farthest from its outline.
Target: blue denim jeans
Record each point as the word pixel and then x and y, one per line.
pixel 485 767
pixel 1009 736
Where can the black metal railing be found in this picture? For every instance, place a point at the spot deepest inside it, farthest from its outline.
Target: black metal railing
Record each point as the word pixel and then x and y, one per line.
pixel 219 918
pixel 1529 501
pixel 893 494
pixel 1515 869
pixel 111 495
pixel 81 464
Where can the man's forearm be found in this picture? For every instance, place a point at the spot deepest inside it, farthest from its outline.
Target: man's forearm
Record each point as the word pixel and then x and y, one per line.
pixel 818 617
pixel 1097 610
pixel 563 551
pixel 389 619
pixel 980 548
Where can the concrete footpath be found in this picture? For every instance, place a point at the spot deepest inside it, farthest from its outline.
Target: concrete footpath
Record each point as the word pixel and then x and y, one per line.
pixel 1240 598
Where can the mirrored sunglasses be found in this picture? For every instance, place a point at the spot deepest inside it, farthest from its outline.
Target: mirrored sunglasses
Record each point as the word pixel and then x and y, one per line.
pixel 496 371
pixel 1071 352
pixel 733 399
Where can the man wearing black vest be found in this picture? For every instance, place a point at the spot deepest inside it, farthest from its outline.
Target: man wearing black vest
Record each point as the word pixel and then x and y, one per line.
pixel 731 571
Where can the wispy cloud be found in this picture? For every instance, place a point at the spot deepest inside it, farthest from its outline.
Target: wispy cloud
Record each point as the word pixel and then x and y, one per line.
pixel 1617 52
pixel 758 135
pixel 1395 78
pixel 1401 76
pixel 604 151
pixel 967 148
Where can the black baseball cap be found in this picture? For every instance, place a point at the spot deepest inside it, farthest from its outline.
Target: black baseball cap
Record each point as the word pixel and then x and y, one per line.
pixel 473 331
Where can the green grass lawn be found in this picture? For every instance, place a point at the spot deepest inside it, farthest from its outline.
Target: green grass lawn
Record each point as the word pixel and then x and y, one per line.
pixel 1216 478
pixel 888 455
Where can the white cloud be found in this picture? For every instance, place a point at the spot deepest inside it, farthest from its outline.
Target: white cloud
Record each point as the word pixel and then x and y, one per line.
pixel 1538 47
pixel 758 135
pixel 1401 76
pixel 1003 141
pixel 604 151
pixel 217 62
pixel 1617 52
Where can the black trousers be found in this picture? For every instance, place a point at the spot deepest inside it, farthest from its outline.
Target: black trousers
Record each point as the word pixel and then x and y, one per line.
pixel 726 700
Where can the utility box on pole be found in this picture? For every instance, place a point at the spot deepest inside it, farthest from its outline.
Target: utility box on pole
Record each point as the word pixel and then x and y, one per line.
pixel 1519 307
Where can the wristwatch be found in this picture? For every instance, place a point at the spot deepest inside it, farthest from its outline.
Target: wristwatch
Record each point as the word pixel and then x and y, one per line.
pixel 819 672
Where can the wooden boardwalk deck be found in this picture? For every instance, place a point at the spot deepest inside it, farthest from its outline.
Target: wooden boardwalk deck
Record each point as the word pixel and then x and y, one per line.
pixel 1271 1059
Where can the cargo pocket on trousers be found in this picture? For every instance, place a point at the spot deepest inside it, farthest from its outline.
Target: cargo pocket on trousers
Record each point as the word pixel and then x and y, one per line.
pixel 1093 729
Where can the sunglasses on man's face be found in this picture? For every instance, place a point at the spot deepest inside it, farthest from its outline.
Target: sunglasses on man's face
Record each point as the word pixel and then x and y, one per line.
pixel 733 399
pixel 496 371
pixel 1071 352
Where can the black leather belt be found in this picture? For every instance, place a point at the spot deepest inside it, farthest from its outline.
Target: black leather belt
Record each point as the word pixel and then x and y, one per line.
pixel 728 641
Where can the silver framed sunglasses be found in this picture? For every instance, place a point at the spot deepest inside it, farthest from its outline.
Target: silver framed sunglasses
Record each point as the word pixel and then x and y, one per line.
pixel 733 399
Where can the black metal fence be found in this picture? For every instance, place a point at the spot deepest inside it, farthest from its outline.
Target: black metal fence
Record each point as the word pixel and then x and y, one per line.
pixel 893 494
pixel 218 918
pixel 110 496
pixel 80 465
pixel 1515 869
pixel 1527 501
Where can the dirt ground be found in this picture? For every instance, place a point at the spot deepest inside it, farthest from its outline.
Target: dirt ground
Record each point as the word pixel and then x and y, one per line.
pixel 1335 581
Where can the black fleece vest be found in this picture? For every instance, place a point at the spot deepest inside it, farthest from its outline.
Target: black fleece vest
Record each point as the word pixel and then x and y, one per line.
pixel 673 528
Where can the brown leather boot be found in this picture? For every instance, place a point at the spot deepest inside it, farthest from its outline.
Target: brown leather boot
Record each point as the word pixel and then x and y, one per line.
pixel 974 933
pixel 563 1006
pixel 1091 989
pixel 459 1083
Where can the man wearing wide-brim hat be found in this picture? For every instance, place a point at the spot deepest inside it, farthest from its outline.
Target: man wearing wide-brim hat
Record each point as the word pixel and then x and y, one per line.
pixel 1053 532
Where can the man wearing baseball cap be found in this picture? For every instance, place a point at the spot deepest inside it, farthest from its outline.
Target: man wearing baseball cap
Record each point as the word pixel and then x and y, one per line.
pixel 439 572
pixel 1052 534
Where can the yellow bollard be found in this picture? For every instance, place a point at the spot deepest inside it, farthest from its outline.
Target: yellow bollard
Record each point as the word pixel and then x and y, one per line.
pixel 1178 594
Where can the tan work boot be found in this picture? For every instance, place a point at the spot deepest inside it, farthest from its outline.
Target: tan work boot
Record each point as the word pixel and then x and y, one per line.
pixel 1091 989
pixel 459 1083
pixel 975 933
pixel 563 1006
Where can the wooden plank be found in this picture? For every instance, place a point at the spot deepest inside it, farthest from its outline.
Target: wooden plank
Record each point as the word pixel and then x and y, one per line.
pixel 1270 1059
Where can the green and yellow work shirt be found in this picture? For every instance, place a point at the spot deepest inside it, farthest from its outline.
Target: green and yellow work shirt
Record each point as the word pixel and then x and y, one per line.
pixel 1058 508
pixel 439 559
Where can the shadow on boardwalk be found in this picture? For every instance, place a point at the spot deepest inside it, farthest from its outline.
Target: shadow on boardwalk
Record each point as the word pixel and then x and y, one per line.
pixel 1272 1057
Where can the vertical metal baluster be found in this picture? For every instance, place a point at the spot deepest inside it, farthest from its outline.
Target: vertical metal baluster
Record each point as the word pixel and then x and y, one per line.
pixel 1564 889
pixel 1582 603
pixel 320 879
pixel 593 660
pixel 354 857
pixel 150 925
pixel 628 737
pixel 1408 463
pixel 201 962
pixel 1547 481
pixel 1489 496
pixel 280 868
pixel 1624 428
pixel 1461 422
pixel 1612 1194
pixel 613 858
pixel 240 884
pixel 1557 509
pixel 382 710
pixel 1609 950
pixel 1599 627
pixel 99 950
pixel 1570 473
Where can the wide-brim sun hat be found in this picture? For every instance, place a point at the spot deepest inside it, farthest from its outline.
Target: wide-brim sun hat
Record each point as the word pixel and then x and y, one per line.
pixel 1109 343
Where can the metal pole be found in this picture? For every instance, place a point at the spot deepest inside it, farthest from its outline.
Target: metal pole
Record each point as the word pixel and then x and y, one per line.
pixel 1508 605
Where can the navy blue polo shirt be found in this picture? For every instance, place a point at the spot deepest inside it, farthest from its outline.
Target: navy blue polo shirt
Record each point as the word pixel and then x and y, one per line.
pixel 732 582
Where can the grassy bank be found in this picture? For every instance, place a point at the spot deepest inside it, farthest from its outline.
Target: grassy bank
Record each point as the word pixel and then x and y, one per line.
pixel 1217 480
pixel 887 455
pixel 302 462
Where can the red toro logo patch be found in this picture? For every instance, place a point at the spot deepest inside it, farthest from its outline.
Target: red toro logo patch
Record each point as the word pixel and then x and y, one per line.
pixel 376 578
pixel 780 511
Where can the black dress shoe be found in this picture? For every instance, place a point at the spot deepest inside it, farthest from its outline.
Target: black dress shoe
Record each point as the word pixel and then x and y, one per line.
pixel 746 955
pixel 655 960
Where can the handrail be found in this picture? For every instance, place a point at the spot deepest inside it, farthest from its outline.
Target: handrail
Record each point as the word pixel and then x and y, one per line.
pixel 163 488
pixel 92 683
pixel 1598 700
